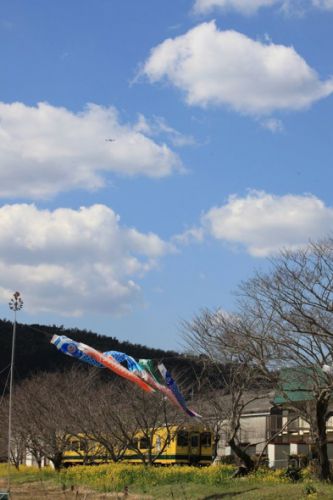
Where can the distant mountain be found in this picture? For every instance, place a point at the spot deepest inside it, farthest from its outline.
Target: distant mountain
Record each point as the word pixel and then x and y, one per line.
pixel 34 353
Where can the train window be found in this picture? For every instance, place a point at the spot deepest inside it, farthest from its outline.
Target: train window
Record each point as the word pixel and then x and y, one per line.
pixel 195 441
pixel 206 439
pixel 84 445
pixel 182 438
pixel 134 443
pixel 75 446
pixel 144 443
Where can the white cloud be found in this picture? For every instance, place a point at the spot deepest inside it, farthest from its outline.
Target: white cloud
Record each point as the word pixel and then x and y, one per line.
pixel 45 150
pixel 272 124
pixel 248 7
pixel 245 7
pixel 323 4
pixel 264 223
pixel 189 236
pixel 215 67
pixel 71 261
pixel 159 126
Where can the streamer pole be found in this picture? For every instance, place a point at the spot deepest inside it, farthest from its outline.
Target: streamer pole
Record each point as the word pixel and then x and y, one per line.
pixel 15 304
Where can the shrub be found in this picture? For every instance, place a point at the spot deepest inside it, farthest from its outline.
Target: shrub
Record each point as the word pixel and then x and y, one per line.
pixel 309 489
pixel 228 460
pixel 300 460
pixel 115 477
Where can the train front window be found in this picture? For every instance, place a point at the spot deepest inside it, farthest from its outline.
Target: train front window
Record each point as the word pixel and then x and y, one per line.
pixel 206 439
pixel 75 446
pixel 182 438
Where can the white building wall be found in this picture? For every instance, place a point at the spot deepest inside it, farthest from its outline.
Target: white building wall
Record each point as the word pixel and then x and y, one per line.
pixel 30 461
pixel 253 429
pixel 278 455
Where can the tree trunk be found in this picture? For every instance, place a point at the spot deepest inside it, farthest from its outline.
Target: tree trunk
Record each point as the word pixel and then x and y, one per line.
pixel 215 445
pixel 16 463
pixel 244 457
pixel 38 457
pixel 321 441
pixel 57 461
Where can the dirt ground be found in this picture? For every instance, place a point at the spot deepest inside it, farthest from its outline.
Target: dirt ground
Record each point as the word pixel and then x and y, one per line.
pixel 42 491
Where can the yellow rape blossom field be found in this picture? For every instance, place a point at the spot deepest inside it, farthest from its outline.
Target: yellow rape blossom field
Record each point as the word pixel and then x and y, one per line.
pixel 140 482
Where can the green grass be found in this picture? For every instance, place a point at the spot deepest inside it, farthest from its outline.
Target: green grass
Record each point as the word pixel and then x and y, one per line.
pixel 25 474
pixel 243 489
pixel 178 483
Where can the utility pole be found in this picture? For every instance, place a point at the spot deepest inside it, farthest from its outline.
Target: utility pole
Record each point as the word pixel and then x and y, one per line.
pixel 15 304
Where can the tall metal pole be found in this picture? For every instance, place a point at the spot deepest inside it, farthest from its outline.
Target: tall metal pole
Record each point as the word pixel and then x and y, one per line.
pixel 15 304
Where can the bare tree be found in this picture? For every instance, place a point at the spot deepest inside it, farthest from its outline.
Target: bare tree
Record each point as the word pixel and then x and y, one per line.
pixel 286 320
pixel 112 415
pixel 41 415
pixel 18 441
pixel 99 415
pixel 54 412
pixel 209 335
pixel 147 414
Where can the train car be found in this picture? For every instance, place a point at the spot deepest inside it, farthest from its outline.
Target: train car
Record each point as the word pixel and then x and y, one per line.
pixel 175 445
pixel 185 445
pixel 81 450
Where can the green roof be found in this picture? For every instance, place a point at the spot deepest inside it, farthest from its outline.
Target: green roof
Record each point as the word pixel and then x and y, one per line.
pixel 297 384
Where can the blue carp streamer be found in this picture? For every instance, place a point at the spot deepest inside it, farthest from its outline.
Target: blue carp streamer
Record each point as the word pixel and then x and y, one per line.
pixel 73 349
pixel 146 373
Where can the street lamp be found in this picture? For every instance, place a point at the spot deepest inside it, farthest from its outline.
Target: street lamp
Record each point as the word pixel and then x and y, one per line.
pixel 15 304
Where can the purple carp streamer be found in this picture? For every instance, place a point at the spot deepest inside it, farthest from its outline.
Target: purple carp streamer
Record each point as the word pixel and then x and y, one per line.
pixel 144 373
pixel 171 384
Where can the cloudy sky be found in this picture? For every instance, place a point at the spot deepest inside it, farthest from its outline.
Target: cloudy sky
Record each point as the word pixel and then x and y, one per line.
pixel 153 154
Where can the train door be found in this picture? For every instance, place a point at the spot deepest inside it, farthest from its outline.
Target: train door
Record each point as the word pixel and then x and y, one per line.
pixel 182 447
pixel 194 448
pixel 206 447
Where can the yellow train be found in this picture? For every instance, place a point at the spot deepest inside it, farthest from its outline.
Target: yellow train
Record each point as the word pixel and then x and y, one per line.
pixel 190 445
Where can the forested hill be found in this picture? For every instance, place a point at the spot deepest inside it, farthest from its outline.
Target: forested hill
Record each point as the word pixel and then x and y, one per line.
pixel 34 353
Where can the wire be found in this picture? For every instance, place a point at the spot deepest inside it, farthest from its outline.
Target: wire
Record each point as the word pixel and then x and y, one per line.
pixel 48 334
pixel 160 358
pixel 5 387
pixel 8 366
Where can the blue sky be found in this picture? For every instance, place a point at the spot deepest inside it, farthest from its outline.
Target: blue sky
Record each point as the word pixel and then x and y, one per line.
pixel 220 119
